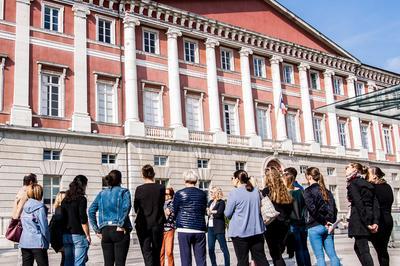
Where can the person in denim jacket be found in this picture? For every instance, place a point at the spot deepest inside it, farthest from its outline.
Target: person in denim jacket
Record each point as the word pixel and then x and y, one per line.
pixel 35 237
pixel 113 226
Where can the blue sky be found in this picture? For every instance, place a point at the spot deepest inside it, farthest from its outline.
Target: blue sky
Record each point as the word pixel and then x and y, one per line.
pixel 368 29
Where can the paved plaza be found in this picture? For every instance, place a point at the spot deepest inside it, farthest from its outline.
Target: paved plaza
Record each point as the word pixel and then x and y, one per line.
pixel 344 248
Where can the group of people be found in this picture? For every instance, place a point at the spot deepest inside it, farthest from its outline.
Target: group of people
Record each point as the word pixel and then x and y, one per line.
pixel 302 214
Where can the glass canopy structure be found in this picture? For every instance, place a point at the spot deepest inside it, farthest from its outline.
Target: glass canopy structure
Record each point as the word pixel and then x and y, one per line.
pixel 382 105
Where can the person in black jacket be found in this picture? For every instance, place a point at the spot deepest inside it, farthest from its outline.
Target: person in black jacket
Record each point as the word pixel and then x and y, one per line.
pixel 277 231
pixel 55 227
pixel 322 211
pixel 149 207
pixel 216 226
pixel 364 217
pixel 384 195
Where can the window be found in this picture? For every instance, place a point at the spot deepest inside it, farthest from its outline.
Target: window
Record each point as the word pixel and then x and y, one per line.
pixel 396 197
pixel 288 76
pixel 263 123
pixel 162 181
pixel 152 108
pixel 259 67
pixel 193 113
pixel 331 171
pixel 338 86
pixel 365 136
pixel 1 9
pixel 227 59
pixel 359 88
pixel 52 17
pixel 191 51
pixel 291 127
pixel 202 163
pixel 50 95
pixel 160 160
pixel 318 130
pixel 342 133
pixel 105 30
pixel 394 176
pixel 108 158
pixel 388 140
pixel 230 119
pixel 150 41
pixel 334 191
pixel 303 169
pixel 314 80
pixel 205 186
pixel 51 187
pixel 51 155
pixel 240 166
pixel 106 102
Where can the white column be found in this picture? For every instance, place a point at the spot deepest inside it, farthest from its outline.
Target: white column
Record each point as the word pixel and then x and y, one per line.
pixel 277 92
pixel 380 152
pixel 247 94
pixel 133 125
pixel 306 104
pixel 395 128
pixel 213 95
pixel 21 113
pixel 332 119
pixel 80 117
pixel 355 121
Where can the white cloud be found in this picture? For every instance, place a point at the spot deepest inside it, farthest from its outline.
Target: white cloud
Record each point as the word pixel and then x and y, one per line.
pixel 393 64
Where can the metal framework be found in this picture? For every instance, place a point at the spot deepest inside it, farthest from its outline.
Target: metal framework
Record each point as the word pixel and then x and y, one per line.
pixel 382 105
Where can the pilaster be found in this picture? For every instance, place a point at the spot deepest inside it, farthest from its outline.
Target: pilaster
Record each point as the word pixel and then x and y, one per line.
pixel 332 119
pixel 306 104
pixel 278 96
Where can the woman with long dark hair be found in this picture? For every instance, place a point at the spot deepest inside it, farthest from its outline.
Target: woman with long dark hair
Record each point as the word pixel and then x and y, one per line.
pixel 246 226
pixel 384 195
pixel 112 225
pixel 76 234
pixel 322 211
pixel 278 230
pixel 364 218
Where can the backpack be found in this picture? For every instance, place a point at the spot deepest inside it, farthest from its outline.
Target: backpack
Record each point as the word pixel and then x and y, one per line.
pixel 268 211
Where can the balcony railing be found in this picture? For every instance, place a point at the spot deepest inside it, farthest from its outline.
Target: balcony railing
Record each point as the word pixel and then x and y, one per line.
pixel 329 150
pixel 159 132
pixel 271 144
pixel 353 152
pixel 238 140
pixel 301 147
pixel 200 136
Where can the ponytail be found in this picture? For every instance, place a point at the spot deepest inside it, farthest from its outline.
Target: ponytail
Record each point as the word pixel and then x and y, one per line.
pixel 317 176
pixel 244 179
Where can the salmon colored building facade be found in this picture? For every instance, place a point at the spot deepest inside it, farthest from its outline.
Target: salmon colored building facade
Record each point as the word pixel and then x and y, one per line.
pixel 89 86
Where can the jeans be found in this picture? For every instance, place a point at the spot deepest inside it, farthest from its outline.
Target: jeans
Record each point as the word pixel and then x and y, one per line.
pixel 300 245
pixel 34 254
pixel 320 240
pixel 212 238
pixel 115 245
pixel 275 236
pixel 168 247
pixel 198 241
pixel 362 250
pixel 150 241
pixel 254 244
pixel 75 249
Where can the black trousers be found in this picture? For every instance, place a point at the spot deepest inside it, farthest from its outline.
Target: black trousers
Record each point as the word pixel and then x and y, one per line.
pixel 115 245
pixel 380 241
pixel 362 250
pixel 34 254
pixel 254 244
pixel 276 236
pixel 150 241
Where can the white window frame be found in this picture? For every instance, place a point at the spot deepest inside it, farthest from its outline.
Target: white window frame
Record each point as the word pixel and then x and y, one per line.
pixel 369 135
pixel 2 66
pixel 160 95
pixel 333 188
pixel 318 80
pixel 157 158
pixel 202 160
pixel 263 68
pixel 51 5
pixel 321 129
pixel 99 79
pixel 108 158
pixel 238 165
pixel 156 41
pixel 61 90
pixel 362 88
pixel 340 80
pixel 302 169
pixel 236 110
pixel 1 9
pixel 346 132
pixel 51 154
pixel 201 116
pixel 267 110
pixel 231 59
pixel 196 51
pixel 52 196
pixel 331 171
pixel 112 28
pixel 389 130
pixel 162 181
pixel 296 115
pixel 285 78
pixel 205 181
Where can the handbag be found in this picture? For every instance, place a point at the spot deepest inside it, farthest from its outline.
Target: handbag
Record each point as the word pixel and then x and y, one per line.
pixel 268 211
pixel 14 230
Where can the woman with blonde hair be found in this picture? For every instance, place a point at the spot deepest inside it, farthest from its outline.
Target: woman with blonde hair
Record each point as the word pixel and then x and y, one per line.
pixel 216 225
pixel 278 230
pixel 56 226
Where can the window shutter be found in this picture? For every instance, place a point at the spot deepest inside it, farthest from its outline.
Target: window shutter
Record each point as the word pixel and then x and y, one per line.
pixel 44 95
pixel 101 104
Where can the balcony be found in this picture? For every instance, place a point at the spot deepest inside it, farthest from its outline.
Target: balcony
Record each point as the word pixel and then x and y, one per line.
pixel 159 132
pixel 238 140
pixel 200 136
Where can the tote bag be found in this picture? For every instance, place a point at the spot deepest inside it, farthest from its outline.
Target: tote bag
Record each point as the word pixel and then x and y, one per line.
pixel 268 211
pixel 14 230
